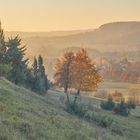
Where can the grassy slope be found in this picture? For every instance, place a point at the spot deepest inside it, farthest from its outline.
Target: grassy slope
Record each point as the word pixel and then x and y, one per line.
pixel 27 116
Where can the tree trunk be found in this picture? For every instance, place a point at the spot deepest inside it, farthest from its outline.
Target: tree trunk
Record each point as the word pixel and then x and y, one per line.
pixel 78 92
pixel 67 94
pixel 65 90
pixel 76 96
pixel 68 100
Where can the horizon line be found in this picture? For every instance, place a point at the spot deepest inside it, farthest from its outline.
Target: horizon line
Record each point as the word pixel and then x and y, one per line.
pixel 68 30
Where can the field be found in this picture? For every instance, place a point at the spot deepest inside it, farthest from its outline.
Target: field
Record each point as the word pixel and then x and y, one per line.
pixel 126 89
pixel 27 116
pixel 122 87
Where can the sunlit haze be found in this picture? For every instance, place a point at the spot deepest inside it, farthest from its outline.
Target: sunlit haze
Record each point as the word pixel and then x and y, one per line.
pixel 48 15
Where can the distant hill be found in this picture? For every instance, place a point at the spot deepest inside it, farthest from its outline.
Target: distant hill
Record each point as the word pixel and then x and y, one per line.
pixel 117 36
pixel 45 34
pixel 112 40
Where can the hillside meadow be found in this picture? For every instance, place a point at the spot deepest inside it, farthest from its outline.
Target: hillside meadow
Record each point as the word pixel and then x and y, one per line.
pixel 27 116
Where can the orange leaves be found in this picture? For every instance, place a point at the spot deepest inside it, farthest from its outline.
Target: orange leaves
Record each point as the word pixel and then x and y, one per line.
pixel 85 74
pixel 63 68
pixel 77 71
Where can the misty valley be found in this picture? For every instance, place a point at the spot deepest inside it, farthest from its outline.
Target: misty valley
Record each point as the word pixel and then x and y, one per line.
pixel 71 85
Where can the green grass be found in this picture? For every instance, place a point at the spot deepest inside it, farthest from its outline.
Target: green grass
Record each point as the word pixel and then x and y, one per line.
pixel 27 116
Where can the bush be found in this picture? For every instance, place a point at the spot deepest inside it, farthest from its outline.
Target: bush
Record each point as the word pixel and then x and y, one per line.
pixel 108 105
pixel 81 111
pixel 131 105
pixel 76 108
pixel 122 109
pixel 115 128
pixel 100 120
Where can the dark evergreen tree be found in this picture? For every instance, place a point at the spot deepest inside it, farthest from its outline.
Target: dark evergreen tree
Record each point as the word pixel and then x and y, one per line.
pixel 4 67
pixel 40 83
pixel 41 67
pixel 122 108
pixel 5 70
pixel 14 66
pixel 15 56
pixel 29 82
pixel 2 46
pixel 43 81
pixel 35 67
pixel 108 105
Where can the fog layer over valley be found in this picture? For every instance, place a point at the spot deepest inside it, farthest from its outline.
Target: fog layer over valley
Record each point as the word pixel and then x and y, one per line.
pixel 112 41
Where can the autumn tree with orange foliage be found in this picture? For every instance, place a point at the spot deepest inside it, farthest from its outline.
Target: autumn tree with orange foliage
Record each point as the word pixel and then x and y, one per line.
pixel 63 75
pixel 77 71
pixel 85 75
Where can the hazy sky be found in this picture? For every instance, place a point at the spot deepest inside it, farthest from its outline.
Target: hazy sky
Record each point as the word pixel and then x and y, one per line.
pixel 46 15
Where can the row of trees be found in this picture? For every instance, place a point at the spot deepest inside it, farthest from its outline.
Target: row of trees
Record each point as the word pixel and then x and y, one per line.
pixel 122 70
pixel 14 65
pixel 39 79
pixel 77 71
